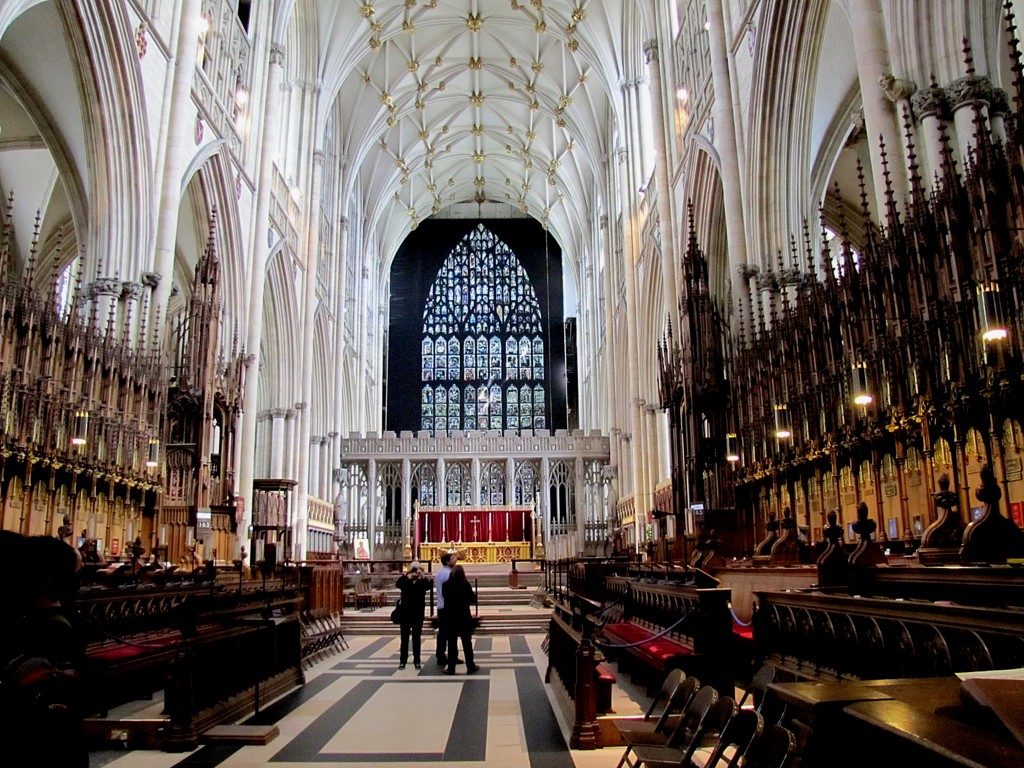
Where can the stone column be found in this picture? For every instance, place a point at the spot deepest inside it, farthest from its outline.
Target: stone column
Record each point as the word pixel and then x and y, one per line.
pixel 312 261
pixel 931 108
pixel 630 255
pixel 326 465
pixel 544 504
pixel 314 464
pixel 340 308
pixel 290 448
pixel 579 490
pixel 880 119
pixel 407 508
pixel 728 155
pixel 967 96
pixel 179 148
pixel 666 226
pixel 257 275
pixel 277 438
pixel 474 487
pixel 371 506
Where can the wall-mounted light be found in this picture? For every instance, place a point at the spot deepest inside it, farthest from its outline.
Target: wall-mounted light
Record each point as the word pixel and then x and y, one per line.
pixel 81 433
pixel 990 313
pixel 783 427
pixel 731 447
pixel 153 454
pixel 859 384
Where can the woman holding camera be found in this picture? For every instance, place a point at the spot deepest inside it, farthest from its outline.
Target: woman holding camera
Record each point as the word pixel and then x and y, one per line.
pixel 414 585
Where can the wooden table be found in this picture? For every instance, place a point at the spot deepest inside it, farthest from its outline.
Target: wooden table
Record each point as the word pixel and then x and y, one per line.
pixel 825 694
pixel 897 722
pixel 919 735
pixel 814 714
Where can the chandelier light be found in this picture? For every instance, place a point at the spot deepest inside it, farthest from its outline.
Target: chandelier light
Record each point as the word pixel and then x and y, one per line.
pixel 783 427
pixel 153 455
pixel 859 385
pixel 78 437
pixel 990 314
pixel 731 448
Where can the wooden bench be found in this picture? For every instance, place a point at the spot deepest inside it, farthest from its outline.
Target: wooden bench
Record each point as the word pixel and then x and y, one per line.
pixel 653 627
pixel 144 640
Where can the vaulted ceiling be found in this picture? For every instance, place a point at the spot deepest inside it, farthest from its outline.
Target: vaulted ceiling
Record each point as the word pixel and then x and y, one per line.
pixel 453 101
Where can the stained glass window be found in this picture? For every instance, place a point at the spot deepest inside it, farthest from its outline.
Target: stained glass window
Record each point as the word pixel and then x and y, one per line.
pixel 483 355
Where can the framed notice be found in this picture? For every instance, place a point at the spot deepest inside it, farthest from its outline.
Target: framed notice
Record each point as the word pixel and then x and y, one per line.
pixel 894 530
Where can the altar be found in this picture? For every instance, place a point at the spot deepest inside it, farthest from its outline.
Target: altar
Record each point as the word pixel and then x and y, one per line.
pixel 493 534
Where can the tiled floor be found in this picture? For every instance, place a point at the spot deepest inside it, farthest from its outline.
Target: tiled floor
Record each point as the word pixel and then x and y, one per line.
pixel 358 708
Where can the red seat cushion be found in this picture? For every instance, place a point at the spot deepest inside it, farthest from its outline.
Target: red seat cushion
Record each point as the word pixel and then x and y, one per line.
pixel 746 632
pixel 660 648
pixel 628 632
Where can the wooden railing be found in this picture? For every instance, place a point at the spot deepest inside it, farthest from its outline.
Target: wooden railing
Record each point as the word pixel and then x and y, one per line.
pixel 836 636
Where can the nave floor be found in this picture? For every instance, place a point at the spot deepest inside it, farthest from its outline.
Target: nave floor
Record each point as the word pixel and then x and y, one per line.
pixel 358 708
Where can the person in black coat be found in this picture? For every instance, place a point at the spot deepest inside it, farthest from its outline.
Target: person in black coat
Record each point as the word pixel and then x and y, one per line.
pixel 414 586
pixel 458 597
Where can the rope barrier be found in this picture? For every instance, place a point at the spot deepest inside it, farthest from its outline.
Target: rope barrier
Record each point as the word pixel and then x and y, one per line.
pixel 655 636
pixel 739 621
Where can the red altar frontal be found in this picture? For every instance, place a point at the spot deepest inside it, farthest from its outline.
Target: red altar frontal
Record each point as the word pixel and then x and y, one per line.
pixel 479 534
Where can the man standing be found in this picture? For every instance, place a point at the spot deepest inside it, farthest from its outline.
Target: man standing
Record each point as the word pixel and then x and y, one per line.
pixel 447 561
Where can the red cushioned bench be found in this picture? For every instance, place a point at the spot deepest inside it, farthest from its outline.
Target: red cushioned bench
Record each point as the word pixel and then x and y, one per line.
pixel 656 626
pixel 661 653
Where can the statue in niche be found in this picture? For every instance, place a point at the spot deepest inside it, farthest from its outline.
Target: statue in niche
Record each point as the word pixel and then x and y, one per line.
pixel 948 529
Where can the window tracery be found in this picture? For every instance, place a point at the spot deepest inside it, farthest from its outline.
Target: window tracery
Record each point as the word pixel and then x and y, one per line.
pixel 482 352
